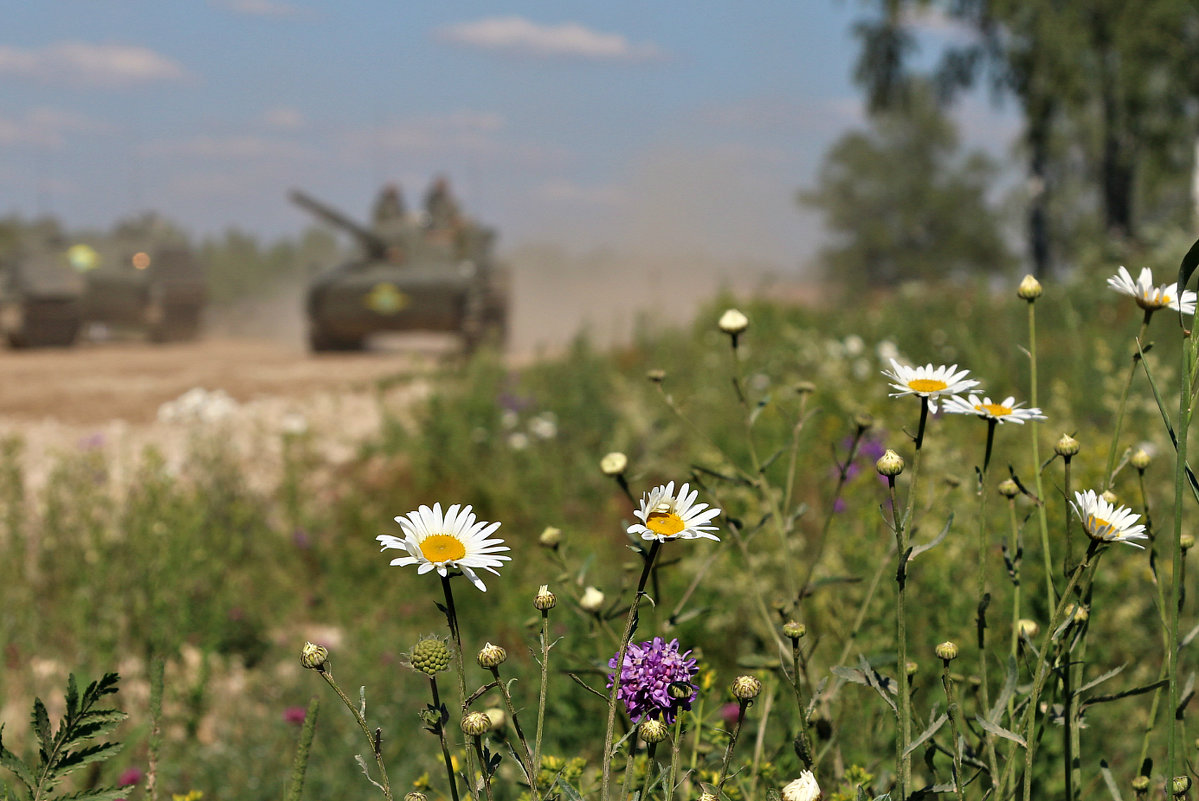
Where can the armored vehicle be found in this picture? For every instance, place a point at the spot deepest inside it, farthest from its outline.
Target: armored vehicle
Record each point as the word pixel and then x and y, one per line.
pixel 41 292
pixel 411 274
pixel 146 279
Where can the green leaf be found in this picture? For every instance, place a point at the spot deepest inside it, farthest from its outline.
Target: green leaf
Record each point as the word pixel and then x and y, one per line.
pixel 97 794
pixel 1186 269
pixel 12 762
pixel 41 726
pixel 72 697
pixel 929 732
pixel 73 760
pixel 999 731
pixel 1161 407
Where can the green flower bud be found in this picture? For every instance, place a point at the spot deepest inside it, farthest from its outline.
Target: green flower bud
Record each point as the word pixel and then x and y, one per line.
pixel 794 630
pixel 314 656
pixel 1029 289
pixel 614 463
pixel 1066 447
pixel 733 322
pixel 1140 784
pixel 1186 542
pixel 746 688
pixel 805 387
pixel 551 537
pixel 1110 497
pixel 430 656
pixel 890 464
pixel 947 651
pixel 1027 629
pixel 545 600
pixel 656 375
pixel 1140 459
pixel 863 420
pixel 652 730
pixel 416 797
pixel 476 724
pixel 1180 785
pixel 491 656
pixel 592 600
pixel 1009 488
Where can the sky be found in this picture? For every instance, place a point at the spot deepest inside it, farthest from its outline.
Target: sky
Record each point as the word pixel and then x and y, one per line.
pixel 680 125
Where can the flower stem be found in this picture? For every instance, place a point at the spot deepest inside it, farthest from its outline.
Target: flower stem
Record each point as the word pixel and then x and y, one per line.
pixel 545 682
pixel 300 765
pixel 451 618
pixel 728 752
pixel 955 721
pixel 1132 371
pixel 649 769
pixel 445 748
pixel 629 626
pixel 1034 428
pixel 327 675
pixel 984 597
pixel 1186 376
pixel 478 743
pixel 527 755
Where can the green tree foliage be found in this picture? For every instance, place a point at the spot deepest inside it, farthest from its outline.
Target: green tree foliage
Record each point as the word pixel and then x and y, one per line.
pixel 902 202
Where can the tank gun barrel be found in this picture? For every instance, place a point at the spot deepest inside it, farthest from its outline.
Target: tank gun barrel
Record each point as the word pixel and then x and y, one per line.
pixel 372 243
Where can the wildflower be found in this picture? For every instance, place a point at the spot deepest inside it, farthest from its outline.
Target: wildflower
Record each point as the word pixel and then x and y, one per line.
pixel 1029 289
pixel 491 656
pixel 666 516
pixel 314 656
pixel 128 777
pixel 733 322
pixel 928 381
pixel 804 788
pixel 1106 522
pixel 890 464
pixel 454 540
pixel 476 724
pixel 592 600
pixel 1007 412
pixel 1140 460
pixel 1027 628
pixel 794 630
pixel 648 671
pixel 550 537
pixel 1066 447
pixel 1009 488
pixel 745 688
pixel 947 651
pixel 1149 297
pixel 652 731
pixel 295 714
pixel 614 463
pixel 545 600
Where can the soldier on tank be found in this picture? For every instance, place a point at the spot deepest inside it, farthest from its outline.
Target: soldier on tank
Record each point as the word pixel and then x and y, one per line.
pixel 389 206
pixel 440 205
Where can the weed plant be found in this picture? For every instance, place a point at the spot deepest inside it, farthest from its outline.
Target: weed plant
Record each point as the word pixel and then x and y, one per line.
pixel 900 600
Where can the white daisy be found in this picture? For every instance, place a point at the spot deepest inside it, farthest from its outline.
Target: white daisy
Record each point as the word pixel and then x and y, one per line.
pixel 1007 412
pixel 1148 296
pixel 666 516
pixel 1106 522
pixel 804 788
pixel 928 381
pixel 454 540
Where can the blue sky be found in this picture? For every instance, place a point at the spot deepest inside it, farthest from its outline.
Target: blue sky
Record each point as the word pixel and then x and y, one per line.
pixel 665 126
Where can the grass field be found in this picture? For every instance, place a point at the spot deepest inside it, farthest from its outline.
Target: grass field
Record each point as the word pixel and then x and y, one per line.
pixel 780 428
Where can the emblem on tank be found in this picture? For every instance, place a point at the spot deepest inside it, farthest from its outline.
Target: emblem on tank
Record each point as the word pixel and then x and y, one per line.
pixel 83 258
pixel 385 298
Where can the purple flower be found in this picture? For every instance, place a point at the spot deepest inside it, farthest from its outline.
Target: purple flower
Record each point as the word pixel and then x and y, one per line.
pixel 649 670
pixel 129 777
pixel 295 714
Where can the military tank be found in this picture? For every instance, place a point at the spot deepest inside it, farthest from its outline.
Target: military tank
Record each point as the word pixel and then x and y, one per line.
pixel 411 274
pixel 146 279
pixel 42 287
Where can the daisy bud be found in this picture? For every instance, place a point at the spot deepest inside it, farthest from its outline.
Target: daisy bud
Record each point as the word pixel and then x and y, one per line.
pixel 1186 542
pixel 746 688
pixel 805 387
pixel 706 796
pixel 314 656
pixel 416 797
pixel 1110 497
pixel 1067 446
pixel 890 464
pixel 551 537
pixel 1140 459
pixel 1009 488
pixel 804 788
pixel 1027 629
pixel 652 730
pixel 794 630
pixel 614 463
pixel 863 420
pixel 592 600
pixel 657 375
pixel 497 717
pixel 947 651
pixel 912 668
pixel 545 600
pixel 1180 785
pixel 1140 785
pixel 1030 289
pixel 476 724
pixel 680 690
pixel 491 656
pixel 733 322
pixel 430 656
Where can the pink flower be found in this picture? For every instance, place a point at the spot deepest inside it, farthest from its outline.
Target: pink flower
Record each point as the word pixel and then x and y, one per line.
pixel 129 777
pixel 295 714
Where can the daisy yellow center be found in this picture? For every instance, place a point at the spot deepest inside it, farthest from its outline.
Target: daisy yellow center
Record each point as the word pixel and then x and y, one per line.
pixel 442 548
pixel 927 385
pixel 1097 523
pixel 664 524
pixel 994 409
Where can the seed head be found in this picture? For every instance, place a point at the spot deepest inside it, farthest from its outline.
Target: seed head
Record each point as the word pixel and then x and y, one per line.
pixel 592 600
pixel 947 651
pixel 1140 459
pixel 890 464
pixel 794 630
pixel 491 656
pixel 314 656
pixel 550 537
pixel 1067 446
pixel 652 730
pixel 430 656
pixel 1027 629
pixel 733 322
pixel 476 724
pixel 1009 488
pixel 614 463
pixel 746 688
pixel 545 600
pixel 1030 289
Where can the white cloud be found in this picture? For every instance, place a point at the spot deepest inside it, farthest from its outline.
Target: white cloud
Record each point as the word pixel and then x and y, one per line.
pixel 47 127
pixel 519 36
pixel 284 118
pixel 88 64
pixel 470 131
pixel 246 147
pixel 263 8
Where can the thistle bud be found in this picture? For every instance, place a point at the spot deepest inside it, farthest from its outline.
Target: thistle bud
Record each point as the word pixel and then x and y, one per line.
pixel 1140 459
pixel 746 688
pixel 614 463
pixel 545 600
pixel 1009 488
pixel 592 600
pixel 652 730
pixel 430 656
pixel 550 537
pixel 314 656
pixel 890 464
pixel 733 322
pixel 947 651
pixel 491 656
pixel 476 724
pixel 794 630
pixel 1029 289
pixel 1066 447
